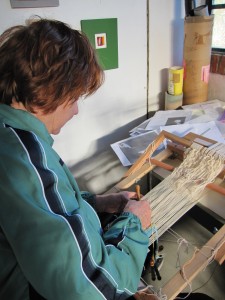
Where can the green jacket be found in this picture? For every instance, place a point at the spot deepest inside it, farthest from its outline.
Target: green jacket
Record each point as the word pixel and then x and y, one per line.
pixel 51 239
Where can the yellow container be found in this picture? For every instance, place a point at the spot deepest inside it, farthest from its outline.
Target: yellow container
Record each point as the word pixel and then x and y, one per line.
pixel 173 101
pixel 175 80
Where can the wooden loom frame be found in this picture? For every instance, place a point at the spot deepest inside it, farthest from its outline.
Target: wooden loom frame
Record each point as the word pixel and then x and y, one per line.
pixel 146 163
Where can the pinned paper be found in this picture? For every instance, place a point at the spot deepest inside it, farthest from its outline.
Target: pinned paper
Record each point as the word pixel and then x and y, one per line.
pixel 205 73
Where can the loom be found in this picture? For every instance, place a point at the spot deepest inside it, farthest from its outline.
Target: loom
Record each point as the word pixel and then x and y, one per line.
pixel 188 181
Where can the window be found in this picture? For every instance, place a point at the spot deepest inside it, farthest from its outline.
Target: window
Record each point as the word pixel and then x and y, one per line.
pixel 217 8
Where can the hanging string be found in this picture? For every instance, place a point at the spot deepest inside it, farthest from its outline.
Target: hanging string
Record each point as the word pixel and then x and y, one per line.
pixel 210 258
pixel 183 242
pixel 181 190
pixel 152 145
pixel 152 291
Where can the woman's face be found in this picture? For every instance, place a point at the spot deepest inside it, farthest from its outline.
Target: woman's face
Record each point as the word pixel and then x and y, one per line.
pixel 53 121
pixel 56 120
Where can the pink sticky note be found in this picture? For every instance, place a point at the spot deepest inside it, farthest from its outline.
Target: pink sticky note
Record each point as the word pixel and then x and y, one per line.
pixel 205 73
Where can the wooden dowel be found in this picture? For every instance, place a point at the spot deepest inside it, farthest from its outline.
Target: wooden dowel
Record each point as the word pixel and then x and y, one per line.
pixel 222 174
pixel 217 188
pixel 161 164
pixel 138 191
pixel 177 139
pixel 211 186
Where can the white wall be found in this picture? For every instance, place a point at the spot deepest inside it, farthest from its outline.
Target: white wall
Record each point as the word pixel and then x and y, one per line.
pixel 121 103
pixel 121 100
pixel 166 31
pixel 166 49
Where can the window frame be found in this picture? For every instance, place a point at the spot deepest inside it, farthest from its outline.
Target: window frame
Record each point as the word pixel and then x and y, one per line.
pixel 210 8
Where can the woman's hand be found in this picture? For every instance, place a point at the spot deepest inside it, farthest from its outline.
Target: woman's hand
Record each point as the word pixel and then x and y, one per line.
pixel 142 210
pixel 113 203
pixel 119 202
pixel 145 294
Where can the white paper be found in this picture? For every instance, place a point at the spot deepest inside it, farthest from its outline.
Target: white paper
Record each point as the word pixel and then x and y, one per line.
pixel 206 119
pixel 168 117
pixel 140 128
pixel 209 130
pixel 211 109
pixel 129 150
pixel 221 127
pixel 200 105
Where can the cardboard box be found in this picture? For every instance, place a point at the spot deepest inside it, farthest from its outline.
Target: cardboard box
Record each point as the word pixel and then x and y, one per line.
pixel 196 58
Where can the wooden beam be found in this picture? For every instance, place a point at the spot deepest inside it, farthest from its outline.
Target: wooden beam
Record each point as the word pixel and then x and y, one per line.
pixel 211 186
pixel 174 138
pixel 199 139
pixel 220 255
pixel 153 146
pixel 133 178
pixel 149 150
pixel 142 171
pixel 157 160
pixel 195 265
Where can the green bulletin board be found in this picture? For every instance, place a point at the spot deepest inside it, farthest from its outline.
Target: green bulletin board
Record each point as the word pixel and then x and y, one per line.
pixel 102 33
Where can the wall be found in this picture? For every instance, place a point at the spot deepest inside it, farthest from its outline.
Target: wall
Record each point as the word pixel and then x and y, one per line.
pixel 121 103
pixel 216 87
pixel 166 31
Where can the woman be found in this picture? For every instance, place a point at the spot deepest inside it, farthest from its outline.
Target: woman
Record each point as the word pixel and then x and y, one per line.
pixel 51 242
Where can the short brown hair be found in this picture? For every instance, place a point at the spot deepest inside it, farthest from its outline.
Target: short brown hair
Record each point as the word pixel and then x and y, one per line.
pixel 46 63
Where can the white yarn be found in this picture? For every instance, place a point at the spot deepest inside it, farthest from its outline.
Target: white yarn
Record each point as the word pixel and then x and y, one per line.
pixel 158 294
pixel 210 258
pixel 181 190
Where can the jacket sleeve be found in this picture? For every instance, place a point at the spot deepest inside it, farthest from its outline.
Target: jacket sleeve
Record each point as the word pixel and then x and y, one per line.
pixel 64 258
pixel 89 197
pixel 57 239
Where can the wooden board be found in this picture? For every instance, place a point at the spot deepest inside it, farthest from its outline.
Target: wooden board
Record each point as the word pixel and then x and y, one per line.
pixel 195 265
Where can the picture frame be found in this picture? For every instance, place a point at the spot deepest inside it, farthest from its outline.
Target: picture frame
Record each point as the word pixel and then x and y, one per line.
pixel 103 35
pixel 33 3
